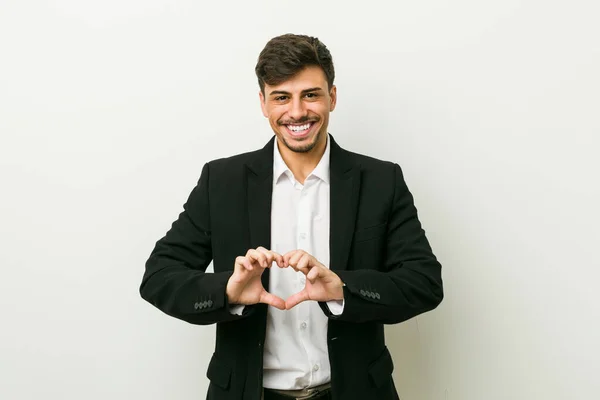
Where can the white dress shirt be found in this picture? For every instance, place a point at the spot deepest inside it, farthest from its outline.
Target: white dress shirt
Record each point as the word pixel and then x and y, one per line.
pixel 295 352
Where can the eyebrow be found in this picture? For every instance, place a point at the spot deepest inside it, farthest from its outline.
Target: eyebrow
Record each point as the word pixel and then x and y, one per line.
pixel 314 89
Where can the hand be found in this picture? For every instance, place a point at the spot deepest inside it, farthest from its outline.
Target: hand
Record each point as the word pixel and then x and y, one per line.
pixel 322 284
pixel 245 286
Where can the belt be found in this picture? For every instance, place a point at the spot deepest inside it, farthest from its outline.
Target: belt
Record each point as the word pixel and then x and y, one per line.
pixel 323 393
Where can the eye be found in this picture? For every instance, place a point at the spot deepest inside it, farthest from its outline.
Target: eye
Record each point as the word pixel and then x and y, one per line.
pixel 280 98
pixel 312 95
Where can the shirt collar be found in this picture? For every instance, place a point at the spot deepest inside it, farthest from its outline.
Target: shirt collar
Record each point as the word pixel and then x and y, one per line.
pixel 321 171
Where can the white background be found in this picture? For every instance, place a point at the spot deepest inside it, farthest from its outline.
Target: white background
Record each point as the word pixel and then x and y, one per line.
pixel 109 109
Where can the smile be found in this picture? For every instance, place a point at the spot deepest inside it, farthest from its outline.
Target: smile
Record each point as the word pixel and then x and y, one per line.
pixel 299 130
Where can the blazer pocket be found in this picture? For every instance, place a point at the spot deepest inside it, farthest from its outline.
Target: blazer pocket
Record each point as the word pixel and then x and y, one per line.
pixel 219 372
pixel 370 232
pixel 381 369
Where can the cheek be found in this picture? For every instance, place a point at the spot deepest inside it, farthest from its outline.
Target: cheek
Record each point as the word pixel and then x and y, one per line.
pixel 273 121
pixel 321 110
pixel 274 116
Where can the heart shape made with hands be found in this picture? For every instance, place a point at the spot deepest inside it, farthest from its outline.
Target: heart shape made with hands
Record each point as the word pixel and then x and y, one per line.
pixel 245 286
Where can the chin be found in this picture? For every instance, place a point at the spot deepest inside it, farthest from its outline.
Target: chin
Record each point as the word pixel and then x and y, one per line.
pixel 304 145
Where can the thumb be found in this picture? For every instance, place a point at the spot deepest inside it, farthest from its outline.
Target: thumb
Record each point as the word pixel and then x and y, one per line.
pixel 272 300
pixel 296 299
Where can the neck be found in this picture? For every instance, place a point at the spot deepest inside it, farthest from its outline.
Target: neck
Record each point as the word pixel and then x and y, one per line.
pixel 302 164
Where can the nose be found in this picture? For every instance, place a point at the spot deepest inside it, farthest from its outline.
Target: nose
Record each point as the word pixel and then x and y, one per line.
pixel 297 111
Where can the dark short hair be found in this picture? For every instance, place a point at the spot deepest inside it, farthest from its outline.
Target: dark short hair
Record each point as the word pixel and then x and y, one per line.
pixel 286 55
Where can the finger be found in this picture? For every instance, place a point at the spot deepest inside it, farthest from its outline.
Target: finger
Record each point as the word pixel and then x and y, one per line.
pixel 304 264
pixel 268 254
pixel 278 259
pixel 272 300
pixel 296 299
pixel 275 258
pixel 287 256
pixel 314 274
pixel 258 257
pixel 244 263
pixel 295 258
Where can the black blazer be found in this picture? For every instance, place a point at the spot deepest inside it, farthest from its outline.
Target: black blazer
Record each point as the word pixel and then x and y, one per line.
pixel 377 247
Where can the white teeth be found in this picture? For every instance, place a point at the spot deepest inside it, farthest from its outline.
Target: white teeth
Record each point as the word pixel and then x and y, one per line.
pixel 298 128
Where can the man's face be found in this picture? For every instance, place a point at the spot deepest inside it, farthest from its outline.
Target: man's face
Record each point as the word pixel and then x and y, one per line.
pixel 298 109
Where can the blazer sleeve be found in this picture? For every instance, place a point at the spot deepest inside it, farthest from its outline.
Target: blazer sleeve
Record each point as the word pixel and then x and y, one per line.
pixel 175 280
pixel 407 284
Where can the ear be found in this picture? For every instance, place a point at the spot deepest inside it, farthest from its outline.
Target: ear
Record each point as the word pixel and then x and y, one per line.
pixel 332 97
pixel 262 104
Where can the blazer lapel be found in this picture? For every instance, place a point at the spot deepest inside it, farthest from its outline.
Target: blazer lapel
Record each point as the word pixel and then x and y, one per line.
pixel 259 181
pixel 344 190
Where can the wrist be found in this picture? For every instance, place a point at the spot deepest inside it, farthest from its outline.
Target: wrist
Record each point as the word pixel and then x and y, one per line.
pixel 339 294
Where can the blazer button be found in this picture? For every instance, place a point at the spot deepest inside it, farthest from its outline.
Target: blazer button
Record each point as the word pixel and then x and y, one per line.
pixel 377 295
pixel 210 303
pixel 362 292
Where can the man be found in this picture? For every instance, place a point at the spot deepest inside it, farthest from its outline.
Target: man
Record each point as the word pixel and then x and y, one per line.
pixel 314 249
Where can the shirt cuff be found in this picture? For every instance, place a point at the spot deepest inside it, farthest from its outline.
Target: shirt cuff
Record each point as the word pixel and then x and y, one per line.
pixel 236 309
pixel 335 306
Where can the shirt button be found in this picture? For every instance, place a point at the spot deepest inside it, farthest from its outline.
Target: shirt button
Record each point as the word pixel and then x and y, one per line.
pixel 303 235
pixel 303 325
pixel 315 367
